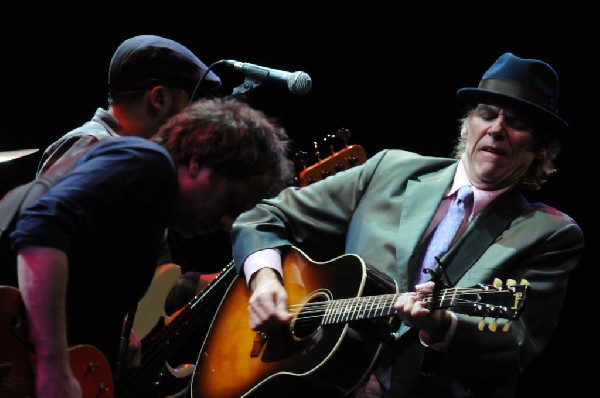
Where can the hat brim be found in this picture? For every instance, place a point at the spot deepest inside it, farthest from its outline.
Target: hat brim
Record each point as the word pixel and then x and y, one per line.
pixel 473 96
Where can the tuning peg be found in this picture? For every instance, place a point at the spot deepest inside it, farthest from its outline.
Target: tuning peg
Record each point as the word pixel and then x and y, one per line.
pixel 328 141
pixel 481 324
pixel 511 282
pixel 492 326
pixel 325 174
pixel 317 152
pixel 300 158
pixel 353 160
pixel 344 135
pixel 506 327
pixel 497 282
pixel 524 282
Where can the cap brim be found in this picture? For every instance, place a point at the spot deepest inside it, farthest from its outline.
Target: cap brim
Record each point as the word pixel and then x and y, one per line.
pixel 212 79
pixel 473 96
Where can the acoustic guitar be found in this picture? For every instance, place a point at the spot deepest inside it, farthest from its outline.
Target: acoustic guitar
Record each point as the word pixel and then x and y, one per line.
pixel 17 357
pixel 169 349
pixel 342 311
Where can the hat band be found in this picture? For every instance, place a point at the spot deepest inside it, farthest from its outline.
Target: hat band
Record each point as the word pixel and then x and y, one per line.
pixel 515 90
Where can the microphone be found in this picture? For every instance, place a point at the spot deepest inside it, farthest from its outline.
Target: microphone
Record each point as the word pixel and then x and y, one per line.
pixel 298 83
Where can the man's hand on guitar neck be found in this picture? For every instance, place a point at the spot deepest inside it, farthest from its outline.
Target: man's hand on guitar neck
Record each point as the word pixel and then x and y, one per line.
pixel 267 307
pixel 413 311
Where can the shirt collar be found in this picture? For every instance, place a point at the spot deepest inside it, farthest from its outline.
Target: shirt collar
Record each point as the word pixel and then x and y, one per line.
pixel 481 198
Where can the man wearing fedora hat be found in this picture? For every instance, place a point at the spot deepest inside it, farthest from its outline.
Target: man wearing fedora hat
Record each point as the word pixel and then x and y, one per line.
pixel 387 211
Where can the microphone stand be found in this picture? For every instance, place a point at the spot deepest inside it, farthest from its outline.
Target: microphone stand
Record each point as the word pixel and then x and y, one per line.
pixel 247 85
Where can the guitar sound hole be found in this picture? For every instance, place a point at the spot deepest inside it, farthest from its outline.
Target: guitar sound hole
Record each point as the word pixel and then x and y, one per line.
pixel 310 317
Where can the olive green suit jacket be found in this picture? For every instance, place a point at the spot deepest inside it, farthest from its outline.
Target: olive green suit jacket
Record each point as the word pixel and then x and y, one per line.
pixel 379 210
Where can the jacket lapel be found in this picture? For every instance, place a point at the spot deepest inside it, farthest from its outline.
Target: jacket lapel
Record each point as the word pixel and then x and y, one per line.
pixel 421 200
pixel 481 233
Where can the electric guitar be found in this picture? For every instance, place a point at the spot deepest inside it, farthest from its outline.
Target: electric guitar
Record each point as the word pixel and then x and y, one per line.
pixel 169 351
pixel 339 159
pixel 333 302
pixel 17 358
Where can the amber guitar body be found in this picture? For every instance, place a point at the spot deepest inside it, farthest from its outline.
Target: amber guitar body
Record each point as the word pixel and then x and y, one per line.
pixel 342 314
pixel 332 360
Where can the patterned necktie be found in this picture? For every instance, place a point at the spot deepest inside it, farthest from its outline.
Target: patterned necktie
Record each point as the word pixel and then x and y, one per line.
pixel 445 232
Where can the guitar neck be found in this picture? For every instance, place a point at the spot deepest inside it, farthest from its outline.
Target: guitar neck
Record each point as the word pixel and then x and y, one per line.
pixel 186 328
pixel 483 300
pixel 236 361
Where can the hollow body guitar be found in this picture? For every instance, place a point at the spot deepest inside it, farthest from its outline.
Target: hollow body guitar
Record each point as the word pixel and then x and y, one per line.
pixel 17 358
pixel 343 311
pixel 237 362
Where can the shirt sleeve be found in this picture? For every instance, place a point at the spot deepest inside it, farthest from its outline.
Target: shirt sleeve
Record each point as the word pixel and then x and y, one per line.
pixel 119 176
pixel 270 258
pixel 440 345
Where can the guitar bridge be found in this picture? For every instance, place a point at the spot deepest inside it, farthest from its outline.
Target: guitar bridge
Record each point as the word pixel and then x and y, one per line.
pixel 259 341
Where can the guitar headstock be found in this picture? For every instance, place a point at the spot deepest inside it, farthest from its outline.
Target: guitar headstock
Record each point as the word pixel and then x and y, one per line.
pixel 496 300
pixel 340 159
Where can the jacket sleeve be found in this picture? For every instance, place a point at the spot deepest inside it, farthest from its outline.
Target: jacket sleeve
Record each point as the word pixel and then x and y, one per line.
pixel 540 248
pixel 307 216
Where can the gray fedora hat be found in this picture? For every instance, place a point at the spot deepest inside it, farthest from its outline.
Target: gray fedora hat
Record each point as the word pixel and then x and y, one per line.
pixel 523 83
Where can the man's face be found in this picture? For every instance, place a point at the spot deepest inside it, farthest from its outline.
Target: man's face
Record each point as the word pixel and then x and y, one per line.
pixel 208 202
pixel 499 147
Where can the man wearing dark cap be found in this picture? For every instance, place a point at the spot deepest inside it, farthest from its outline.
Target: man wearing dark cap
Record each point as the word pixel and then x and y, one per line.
pixel 392 211
pixel 150 78
pixel 88 247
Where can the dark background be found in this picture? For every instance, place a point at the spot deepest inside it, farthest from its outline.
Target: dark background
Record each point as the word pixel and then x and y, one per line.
pixel 389 78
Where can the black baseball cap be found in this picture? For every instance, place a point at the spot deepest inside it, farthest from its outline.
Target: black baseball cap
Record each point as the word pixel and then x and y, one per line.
pixel 147 60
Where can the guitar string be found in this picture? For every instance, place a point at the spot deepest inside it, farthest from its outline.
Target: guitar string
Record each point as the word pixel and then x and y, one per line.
pixel 443 296
pixel 382 302
pixel 310 308
pixel 172 336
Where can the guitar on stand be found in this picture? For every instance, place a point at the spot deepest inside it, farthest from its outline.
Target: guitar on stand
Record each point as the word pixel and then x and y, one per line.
pixel 339 159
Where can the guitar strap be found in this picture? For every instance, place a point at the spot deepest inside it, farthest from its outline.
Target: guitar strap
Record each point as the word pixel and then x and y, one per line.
pixel 124 348
pixel 15 201
pixel 494 219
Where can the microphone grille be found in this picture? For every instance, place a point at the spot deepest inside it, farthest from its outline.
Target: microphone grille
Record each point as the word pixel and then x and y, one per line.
pixel 299 83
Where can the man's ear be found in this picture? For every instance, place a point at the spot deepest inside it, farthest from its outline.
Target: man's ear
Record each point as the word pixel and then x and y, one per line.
pixel 158 95
pixel 463 131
